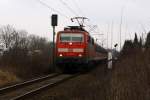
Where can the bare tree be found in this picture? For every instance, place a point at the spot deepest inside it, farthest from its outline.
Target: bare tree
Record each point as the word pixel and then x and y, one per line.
pixel 19 39
pixel 6 35
pixel 36 42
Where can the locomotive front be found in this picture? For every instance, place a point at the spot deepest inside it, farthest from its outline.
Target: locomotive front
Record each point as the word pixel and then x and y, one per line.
pixel 70 47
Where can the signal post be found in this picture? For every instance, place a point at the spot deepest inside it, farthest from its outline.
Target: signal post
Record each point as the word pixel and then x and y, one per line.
pixel 54 21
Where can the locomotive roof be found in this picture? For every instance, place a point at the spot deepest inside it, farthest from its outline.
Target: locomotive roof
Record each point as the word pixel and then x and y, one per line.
pixel 74 29
pixel 79 28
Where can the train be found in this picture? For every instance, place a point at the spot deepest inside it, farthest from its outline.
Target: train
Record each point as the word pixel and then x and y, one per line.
pixel 75 47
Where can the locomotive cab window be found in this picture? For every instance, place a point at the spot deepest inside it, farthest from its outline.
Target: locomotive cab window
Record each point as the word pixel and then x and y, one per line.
pixel 65 38
pixel 69 37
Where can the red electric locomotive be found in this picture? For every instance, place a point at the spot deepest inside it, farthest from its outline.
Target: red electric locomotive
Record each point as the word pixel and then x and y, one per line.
pixel 74 46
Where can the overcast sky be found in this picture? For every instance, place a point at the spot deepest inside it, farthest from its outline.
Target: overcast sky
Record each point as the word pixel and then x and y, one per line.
pixel 33 17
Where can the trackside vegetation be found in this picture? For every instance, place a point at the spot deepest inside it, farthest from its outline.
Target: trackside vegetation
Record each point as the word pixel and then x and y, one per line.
pixel 131 76
pixel 24 55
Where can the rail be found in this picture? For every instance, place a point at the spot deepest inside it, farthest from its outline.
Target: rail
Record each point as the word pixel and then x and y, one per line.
pixel 25 89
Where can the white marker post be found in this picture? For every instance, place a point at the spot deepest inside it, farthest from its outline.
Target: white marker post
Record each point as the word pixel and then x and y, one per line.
pixel 109 60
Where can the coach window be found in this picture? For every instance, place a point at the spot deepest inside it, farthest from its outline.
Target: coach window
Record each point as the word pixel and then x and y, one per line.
pixel 92 41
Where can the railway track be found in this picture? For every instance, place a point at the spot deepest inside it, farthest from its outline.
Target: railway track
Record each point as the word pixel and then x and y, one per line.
pixel 29 88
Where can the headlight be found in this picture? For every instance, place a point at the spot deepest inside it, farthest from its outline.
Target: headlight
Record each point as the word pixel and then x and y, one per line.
pixel 80 55
pixel 60 55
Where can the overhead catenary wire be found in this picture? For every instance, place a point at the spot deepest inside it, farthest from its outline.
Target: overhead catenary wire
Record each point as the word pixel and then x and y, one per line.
pixel 92 28
pixel 79 9
pixel 57 11
pixel 53 9
pixel 81 13
pixel 69 8
pixel 72 10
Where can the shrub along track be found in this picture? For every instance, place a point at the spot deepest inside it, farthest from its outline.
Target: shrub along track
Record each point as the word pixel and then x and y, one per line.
pixel 27 89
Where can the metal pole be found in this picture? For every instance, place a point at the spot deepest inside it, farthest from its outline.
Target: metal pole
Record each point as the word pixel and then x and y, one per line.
pixel 112 35
pixel 122 10
pixel 54 48
pixel 120 29
pixel 107 35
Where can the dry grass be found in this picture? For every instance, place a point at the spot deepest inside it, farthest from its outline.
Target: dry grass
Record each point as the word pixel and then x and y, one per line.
pixel 130 79
pixel 7 78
